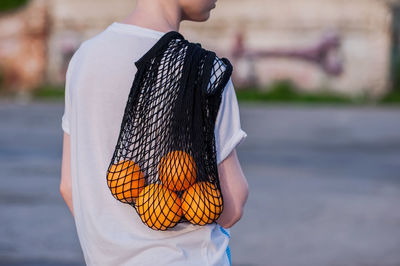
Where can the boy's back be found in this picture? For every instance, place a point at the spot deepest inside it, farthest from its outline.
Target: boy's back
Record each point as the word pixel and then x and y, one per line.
pixel 99 79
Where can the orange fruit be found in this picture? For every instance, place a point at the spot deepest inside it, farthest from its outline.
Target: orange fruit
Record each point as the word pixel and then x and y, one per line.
pixel 202 203
pixel 158 207
pixel 125 180
pixel 177 170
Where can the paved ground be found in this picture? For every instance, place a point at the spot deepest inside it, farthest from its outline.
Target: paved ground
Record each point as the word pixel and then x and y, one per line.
pixel 325 187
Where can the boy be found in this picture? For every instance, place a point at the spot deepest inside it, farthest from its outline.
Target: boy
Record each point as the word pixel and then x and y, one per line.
pixel 98 81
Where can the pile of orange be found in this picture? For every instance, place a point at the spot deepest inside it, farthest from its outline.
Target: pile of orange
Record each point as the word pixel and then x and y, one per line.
pixel 159 205
pixel 125 180
pixel 177 170
pixel 202 203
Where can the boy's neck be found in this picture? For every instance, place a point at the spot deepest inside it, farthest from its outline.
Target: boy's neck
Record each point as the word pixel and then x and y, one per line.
pixel 154 16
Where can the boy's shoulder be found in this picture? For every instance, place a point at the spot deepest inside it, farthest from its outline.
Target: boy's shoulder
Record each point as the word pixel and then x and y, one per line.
pixel 88 48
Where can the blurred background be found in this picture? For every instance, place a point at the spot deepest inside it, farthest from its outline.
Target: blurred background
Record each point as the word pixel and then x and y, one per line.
pixel 318 84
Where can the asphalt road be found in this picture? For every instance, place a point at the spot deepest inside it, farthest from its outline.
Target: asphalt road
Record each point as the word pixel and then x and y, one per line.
pixel 324 187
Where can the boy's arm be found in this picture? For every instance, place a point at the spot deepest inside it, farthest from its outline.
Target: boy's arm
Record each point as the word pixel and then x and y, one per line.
pixel 65 185
pixel 235 190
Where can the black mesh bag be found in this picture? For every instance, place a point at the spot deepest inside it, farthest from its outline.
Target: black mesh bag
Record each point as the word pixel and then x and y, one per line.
pixel 164 163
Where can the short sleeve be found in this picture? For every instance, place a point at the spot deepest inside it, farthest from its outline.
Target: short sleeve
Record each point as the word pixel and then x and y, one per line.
pixel 66 117
pixel 228 131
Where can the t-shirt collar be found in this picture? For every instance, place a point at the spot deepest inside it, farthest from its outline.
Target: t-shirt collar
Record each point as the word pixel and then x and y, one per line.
pixel 130 28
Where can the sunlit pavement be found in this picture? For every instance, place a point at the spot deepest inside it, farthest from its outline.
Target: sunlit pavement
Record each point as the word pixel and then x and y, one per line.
pixel 324 187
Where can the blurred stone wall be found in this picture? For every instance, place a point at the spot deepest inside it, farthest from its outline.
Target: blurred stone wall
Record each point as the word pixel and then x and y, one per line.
pixel 23 42
pixel 364 27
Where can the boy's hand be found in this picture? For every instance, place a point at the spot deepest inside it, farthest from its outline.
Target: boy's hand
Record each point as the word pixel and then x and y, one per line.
pixel 235 190
pixel 65 185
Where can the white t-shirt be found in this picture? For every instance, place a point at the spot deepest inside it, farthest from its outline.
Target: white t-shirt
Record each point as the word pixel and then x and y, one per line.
pixel 99 78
